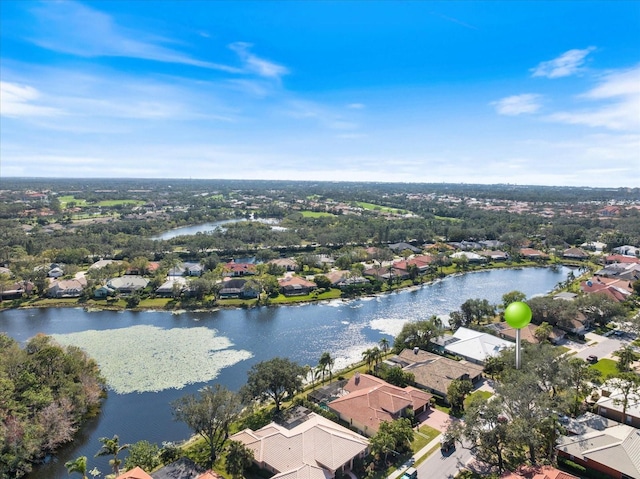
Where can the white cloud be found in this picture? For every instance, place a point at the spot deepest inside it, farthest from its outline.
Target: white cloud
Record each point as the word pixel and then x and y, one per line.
pixel 566 64
pixel 257 65
pixel 355 106
pixel 18 101
pixel 618 95
pixel 518 104
pixel 70 27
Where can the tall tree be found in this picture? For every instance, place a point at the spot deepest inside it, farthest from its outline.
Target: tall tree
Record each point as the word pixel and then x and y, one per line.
pixel 273 379
pixel 580 380
pixel 457 392
pixel 112 447
pixel 325 363
pixel 627 385
pixel 626 357
pixel 384 345
pixel 210 414
pixel 512 297
pixel 143 454
pixel 239 458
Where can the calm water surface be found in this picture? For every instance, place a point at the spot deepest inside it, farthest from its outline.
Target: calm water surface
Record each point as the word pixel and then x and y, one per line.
pixel 301 333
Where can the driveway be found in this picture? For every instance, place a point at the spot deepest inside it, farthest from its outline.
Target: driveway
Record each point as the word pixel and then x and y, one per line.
pixel 436 419
pixel 600 346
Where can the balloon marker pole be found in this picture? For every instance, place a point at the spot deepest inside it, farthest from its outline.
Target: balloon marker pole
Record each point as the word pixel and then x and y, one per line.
pixel 517 349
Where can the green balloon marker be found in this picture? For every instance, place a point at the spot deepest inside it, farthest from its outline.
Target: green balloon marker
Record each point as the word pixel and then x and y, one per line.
pixel 517 315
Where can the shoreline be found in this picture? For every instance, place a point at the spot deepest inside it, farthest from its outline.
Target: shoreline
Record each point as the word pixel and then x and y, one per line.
pixel 74 302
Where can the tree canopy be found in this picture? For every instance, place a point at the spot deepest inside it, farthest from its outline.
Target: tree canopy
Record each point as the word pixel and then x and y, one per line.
pixel 273 379
pixel 46 391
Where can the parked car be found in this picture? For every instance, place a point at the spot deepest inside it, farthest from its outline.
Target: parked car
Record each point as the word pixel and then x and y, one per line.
pixel 592 359
pixel 447 445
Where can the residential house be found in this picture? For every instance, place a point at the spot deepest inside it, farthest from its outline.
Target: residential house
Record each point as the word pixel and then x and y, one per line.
pixel 177 270
pixel 475 346
pixel 616 289
pixel 596 246
pixel 135 473
pixel 173 285
pixel 337 276
pixel 296 285
pixel 471 257
pixel 306 446
pixel 400 247
pixel 289 264
pixel 494 255
pixel 527 333
pixel 626 271
pixel 613 452
pixel 434 372
pixel 627 250
pixel 575 253
pixel 16 290
pixel 537 472
pixel 610 406
pixel 103 292
pixel 128 284
pixel 619 258
pixel 534 254
pixel 102 263
pixel 67 288
pixel 193 269
pixel 55 272
pixel 239 288
pixel 183 468
pixel 371 401
pixel 239 269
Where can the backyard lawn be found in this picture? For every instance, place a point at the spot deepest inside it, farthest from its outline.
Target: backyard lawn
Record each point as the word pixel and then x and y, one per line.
pixel 607 367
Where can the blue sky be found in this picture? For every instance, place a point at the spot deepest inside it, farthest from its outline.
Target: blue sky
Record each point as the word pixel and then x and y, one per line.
pixel 465 92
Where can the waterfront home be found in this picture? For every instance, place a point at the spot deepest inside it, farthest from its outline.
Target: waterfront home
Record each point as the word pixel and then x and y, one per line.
pixel 174 285
pixel 575 253
pixel 434 372
pixel 16 290
pixel 67 288
pixel 135 473
pixel 304 446
pixel 494 255
pixel 613 451
pixel 296 285
pixel 471 257
pixel 239 288
pixel 128 284
pixel 183 468
pixel 368 401
pixel 616 289
pixel 475 346
pixel 530 253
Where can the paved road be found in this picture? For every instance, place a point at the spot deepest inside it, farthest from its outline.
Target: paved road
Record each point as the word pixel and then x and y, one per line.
pixel 438 466
pixel 602 348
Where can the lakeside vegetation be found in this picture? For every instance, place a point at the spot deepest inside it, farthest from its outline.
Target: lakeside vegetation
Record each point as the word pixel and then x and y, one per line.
pixel 353 227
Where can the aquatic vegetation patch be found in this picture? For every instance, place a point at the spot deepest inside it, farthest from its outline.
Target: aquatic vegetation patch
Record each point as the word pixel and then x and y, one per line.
pixel 147 358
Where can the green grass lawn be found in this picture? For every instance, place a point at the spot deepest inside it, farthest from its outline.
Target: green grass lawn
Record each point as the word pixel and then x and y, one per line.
pixel 484 394
pixel 315 214
pixel 424 436
pixel 607 367
pixel 374 207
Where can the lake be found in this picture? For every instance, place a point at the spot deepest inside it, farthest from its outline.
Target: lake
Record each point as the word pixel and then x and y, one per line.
pixel 163 351
pixel 212 226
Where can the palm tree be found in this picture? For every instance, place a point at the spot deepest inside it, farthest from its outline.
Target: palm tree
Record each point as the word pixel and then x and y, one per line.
pixel 112 447
pixel 384 345
pixel 367 357
pixel 326 364
pixel 77 465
